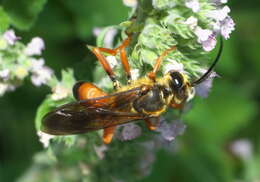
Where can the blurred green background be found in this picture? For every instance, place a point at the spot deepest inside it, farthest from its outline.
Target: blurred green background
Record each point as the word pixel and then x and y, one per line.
pixel 230 113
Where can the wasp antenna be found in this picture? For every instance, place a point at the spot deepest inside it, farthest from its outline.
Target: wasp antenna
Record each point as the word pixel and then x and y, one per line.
pixel 207 74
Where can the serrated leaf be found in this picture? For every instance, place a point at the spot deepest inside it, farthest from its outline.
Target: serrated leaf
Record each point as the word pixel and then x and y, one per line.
pixel 23 13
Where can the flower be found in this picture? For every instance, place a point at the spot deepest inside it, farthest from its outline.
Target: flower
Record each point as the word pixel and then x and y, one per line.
pixel 135 74
pixel 10 37
pixel 192 22
pixel 109 36
pixel 219 14
pixel 193 5
pixel 173 65
pixel 3 88
pixel 129 132
pixel 41 76
pixel 35 47
pixel 206 38
pixel 112 61
pixel 45 138
pixel 4 74
pixel 169 131
pixel 130 3
pixel 60 92
pixel 40 73
pixel 225 27
pixel 21 72
pixel 218 2
pixel 100 150
pixel 242 148
pixel 203 88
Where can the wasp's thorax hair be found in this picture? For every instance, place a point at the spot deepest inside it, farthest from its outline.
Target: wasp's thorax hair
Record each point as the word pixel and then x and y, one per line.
pixel 178 88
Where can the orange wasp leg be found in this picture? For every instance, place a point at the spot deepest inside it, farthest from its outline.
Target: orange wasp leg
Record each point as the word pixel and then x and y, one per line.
pixel 158 62
pixel 103 61
pixel 121 49
pixel 108 134
pixel 85 90
pixel 150 125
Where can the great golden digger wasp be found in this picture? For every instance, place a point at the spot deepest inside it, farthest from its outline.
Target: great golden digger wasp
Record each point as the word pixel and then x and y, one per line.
pixel 143 99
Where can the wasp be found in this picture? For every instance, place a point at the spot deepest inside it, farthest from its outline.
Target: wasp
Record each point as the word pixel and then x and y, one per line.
pixel 143 99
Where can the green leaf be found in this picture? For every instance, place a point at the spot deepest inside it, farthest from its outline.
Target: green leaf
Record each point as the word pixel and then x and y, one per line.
pixel 23 13
pixel 4 20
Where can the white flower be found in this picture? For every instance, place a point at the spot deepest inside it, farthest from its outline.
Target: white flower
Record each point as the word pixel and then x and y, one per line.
pixel 206 38
pixel 109 37
pixel 45 138
pixel 100 150
pixel 41 76
pixel 129 132
pixel 35 47
pixel 60 92
pixel 218 2
pixel 193 5
pixel 170 131
pixel 37 64
pixel 219 14
pixel 135 74
pixel 225 27
pixel 10 37
pixel 3 88
pixel 112 61
pixel 192 22
pixel 203 88
pixel 173 66
pixel 130 3
pixel 242 148
pixel 4 74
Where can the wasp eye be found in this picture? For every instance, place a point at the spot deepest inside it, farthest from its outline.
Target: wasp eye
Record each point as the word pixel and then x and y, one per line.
pixel 177 80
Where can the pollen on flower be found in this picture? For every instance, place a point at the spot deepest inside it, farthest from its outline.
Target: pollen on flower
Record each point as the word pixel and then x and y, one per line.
pixel 35 47
pixel 21 72
pixel 45 138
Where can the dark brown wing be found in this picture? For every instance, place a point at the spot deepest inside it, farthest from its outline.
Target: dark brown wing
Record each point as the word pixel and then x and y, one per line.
pixel 92 114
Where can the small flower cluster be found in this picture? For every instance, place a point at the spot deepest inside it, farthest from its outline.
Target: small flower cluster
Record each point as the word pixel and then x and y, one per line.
pixel 18 61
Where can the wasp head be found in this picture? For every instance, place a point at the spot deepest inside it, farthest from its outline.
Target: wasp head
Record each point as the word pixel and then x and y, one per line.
pixel 180 88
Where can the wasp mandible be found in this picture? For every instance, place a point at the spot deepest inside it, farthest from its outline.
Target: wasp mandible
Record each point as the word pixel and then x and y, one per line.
pixel 143 99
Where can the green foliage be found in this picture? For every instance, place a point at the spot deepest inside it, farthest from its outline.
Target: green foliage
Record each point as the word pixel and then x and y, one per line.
pixel 202 154
pixel 23 13
pixel 4 20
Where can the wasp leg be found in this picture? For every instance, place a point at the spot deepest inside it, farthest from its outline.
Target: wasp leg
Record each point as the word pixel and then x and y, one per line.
pixel 97 51
pixel 121 49
pixel 150 125
pixel 108 134
pixel 158 62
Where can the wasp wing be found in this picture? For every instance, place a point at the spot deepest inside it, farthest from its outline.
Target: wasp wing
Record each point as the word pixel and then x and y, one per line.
pixel 92 114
